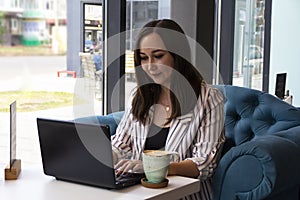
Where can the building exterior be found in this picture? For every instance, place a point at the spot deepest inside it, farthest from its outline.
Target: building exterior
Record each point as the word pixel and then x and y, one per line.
pixel 11 21
pixel 31 22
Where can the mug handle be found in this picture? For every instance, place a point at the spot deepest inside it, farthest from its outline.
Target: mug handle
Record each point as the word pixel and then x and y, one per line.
pixel 175 155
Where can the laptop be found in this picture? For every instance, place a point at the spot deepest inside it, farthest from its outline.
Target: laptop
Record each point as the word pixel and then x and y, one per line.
pixel 80 153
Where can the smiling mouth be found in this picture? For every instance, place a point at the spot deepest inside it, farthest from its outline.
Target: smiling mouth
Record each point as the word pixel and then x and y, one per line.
pixel 155 74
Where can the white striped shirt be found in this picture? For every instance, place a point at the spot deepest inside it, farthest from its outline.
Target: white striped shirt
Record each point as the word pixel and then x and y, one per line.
pixel 197 136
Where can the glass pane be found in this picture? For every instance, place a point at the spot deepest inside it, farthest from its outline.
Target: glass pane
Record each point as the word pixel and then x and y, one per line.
pixel 139 12
pixel 249 43
pixel 91 55
pixel 92 27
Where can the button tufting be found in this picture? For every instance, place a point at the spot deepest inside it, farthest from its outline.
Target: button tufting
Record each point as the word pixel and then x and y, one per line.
pixel 255 103
pixel 237 117
pixel 272 121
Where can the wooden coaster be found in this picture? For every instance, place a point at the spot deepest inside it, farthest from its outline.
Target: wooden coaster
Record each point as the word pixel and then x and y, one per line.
pixel 147 184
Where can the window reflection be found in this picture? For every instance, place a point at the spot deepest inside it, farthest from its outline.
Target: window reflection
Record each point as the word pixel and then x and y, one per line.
pixel 137 14
pixel 249 43
pixel 92 27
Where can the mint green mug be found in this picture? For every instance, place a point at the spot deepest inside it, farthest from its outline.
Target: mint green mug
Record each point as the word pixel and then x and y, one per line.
pixel 156 164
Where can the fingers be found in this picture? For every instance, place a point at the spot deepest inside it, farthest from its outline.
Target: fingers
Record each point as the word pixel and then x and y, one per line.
pixel 129 166
pixel 115 157
pixel 138 169
pixel 120 167
pixel 120 163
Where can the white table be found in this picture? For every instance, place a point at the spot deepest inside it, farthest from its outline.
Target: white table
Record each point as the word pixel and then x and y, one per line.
pixel 34 185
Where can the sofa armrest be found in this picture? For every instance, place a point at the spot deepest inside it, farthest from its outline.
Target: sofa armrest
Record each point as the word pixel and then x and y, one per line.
pixel 258 169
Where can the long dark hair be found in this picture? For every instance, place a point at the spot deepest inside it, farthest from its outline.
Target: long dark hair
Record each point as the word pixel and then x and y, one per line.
pixel 185 83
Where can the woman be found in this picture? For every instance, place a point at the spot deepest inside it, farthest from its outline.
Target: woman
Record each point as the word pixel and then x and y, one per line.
pixel 172 108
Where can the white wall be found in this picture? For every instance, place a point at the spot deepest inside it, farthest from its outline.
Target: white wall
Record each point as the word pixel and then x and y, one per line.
pixel 285 46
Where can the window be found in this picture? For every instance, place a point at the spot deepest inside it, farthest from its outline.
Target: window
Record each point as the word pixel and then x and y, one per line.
pixel 14 24
pixel 92 27
pixel 249 43
pixel 120 79
pixel 16 3
pixel 138 13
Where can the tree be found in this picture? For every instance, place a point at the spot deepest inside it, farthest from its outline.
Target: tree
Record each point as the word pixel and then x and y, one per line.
pixel 2 27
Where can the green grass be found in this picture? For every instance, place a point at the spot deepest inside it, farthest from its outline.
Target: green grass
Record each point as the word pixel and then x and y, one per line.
pixel 27 51
pixel 28 101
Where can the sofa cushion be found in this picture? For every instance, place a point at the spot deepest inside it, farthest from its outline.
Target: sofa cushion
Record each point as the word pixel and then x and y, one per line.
pixel 112 120
pixel 252 113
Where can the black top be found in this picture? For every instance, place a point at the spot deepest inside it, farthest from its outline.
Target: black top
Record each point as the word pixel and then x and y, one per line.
pixel 157 137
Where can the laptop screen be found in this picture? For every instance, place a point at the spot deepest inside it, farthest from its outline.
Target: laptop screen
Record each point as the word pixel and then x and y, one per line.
pixel 77 152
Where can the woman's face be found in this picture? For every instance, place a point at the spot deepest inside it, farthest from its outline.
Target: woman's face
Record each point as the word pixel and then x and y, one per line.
pixel 156 61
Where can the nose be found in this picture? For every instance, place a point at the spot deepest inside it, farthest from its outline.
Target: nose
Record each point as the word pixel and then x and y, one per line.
pixel 152 67
pixel 151 64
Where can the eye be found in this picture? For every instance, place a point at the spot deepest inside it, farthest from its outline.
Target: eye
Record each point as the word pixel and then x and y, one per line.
pixel 158 56
pixel 143 57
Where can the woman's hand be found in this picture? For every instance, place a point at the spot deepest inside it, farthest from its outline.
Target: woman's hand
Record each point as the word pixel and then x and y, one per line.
pixel 184 168
pixel 129 166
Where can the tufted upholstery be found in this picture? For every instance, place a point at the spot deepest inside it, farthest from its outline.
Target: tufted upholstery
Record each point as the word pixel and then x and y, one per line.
pixel 261 156
pixel 251 113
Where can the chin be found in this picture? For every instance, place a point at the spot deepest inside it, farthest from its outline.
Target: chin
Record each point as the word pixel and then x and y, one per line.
pixel 160 82
pixel 157 81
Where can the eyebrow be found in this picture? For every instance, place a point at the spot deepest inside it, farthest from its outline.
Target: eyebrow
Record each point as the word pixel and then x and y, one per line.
pixel 154 51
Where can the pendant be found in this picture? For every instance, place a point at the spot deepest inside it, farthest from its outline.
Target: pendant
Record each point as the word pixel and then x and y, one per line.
pixel 167 108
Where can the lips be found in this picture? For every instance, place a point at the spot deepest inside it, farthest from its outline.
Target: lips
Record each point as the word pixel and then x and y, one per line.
pixel 154 74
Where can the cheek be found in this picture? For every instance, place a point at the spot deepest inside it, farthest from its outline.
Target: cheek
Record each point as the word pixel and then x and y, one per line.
pixel 168 61
pixel 168 71
pixel 144 64
pixel 169 66
pixel 145 68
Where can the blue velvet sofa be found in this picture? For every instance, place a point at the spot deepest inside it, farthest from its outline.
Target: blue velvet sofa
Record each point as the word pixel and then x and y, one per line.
pixel 261 155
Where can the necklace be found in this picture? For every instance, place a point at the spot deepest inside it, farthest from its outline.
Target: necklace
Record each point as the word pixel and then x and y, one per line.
pixel 165 101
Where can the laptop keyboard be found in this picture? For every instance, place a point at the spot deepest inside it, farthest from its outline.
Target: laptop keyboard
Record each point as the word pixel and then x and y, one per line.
pixel 125 177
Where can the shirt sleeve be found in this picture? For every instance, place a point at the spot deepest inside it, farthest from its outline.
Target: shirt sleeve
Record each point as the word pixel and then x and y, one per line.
pixel 121 140
pixel 209 140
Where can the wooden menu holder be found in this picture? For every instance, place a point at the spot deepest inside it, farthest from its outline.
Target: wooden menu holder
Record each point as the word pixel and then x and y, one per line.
pixel 13 172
